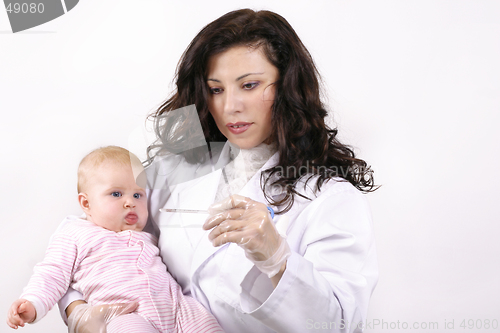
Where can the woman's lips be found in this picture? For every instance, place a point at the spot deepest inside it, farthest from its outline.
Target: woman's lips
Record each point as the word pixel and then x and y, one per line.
pixel 238 128
pixel 131 218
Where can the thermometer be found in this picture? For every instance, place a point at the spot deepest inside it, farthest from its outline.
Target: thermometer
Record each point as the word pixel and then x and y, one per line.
pixel 197 211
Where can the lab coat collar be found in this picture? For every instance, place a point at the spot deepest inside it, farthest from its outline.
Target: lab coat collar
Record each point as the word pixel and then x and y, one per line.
pixel 203 248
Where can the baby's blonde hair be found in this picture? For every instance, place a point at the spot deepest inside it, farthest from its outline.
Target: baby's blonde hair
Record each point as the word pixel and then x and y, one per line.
pixel 105 154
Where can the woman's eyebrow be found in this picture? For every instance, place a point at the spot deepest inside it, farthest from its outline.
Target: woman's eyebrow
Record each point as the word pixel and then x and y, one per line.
pixel 245 75
pixel 238 78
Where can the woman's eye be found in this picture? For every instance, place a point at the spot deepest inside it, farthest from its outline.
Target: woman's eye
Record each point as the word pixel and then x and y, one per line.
pixel 249 86
pixel 116 194
pixel 137 195
pixel 215 91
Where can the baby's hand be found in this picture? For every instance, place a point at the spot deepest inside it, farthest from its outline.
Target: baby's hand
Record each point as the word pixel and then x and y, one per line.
pixel 20 313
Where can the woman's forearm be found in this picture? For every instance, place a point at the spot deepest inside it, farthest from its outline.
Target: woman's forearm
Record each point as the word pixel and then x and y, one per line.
pixel 276 279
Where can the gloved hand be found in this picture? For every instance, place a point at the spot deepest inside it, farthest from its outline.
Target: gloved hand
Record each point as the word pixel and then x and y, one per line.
pixel 248 223
pixel 94 319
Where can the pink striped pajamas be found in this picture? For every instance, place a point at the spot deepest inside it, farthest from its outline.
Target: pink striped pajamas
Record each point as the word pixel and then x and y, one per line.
pixel 109 267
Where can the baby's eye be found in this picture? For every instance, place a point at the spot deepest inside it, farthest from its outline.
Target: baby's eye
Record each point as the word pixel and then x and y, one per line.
pixel 137 195
pixel 116 194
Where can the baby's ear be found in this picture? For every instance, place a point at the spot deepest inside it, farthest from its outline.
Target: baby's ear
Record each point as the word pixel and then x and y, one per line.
pixel 83 201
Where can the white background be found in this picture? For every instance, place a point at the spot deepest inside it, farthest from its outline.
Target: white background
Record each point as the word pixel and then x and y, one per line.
pixel 414 86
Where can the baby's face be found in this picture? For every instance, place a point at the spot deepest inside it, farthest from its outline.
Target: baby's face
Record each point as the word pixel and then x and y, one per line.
pixel 115 201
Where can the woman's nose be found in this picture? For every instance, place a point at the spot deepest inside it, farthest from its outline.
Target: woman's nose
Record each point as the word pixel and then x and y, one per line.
pixel 232 102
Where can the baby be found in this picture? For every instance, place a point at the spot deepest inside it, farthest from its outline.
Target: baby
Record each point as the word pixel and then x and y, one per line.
pixel 109 259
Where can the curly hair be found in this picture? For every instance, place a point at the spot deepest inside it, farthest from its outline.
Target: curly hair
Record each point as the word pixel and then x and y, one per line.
pixel 306 145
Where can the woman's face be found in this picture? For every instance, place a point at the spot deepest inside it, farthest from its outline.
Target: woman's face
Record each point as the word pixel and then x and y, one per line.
pixel 242 93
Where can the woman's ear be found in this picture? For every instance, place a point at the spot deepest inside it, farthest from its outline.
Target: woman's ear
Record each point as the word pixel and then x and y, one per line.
pixel 84 202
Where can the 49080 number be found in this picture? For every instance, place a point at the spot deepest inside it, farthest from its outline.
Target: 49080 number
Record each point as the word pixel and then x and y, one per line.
pixel 478 324
pixel 25 8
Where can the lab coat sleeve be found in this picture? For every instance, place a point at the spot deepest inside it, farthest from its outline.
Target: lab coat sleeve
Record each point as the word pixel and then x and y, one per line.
pixel 331 273
pixel 52 276
pixel 71 296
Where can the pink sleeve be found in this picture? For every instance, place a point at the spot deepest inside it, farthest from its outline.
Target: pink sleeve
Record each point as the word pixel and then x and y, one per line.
pixel 53 275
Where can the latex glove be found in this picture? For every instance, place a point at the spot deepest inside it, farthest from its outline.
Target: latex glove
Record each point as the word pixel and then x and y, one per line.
pixel 94 319
pixel 248 223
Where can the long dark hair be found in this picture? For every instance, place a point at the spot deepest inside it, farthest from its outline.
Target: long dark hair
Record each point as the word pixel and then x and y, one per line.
pixel 307 146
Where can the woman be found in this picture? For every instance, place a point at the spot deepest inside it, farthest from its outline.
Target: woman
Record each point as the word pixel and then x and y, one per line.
pixel 312 266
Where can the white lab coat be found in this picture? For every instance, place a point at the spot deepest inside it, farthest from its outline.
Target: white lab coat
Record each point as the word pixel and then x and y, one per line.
pixel 328 279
